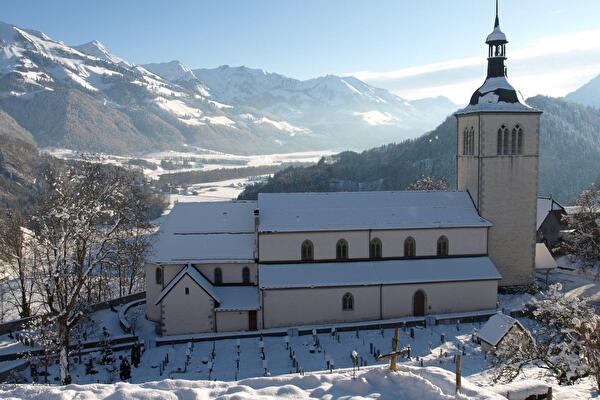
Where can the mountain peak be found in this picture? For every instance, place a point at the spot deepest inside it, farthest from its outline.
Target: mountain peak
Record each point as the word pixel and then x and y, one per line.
pixel 97 49
pixel 173 71
pixel 588 94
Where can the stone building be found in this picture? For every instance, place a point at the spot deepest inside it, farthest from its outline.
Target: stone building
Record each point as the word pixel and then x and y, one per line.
pixel 328 258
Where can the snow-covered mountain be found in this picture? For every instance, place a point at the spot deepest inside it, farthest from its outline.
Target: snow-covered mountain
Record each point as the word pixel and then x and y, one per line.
pixel 343 107
pixel 86 98
pixel 588 94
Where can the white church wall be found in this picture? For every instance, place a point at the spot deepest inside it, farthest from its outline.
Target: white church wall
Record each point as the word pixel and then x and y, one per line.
pixel 462 241
pixel 152 292
pixel 187 313
pixel 441 298
pixel 232 272
pixel 232 321
pixel 286 246
pixel 292 307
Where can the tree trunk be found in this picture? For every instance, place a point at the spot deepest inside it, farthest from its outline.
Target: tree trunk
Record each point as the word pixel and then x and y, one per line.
pixel 63 334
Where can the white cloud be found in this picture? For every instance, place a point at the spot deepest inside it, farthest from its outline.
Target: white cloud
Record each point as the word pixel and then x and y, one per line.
pixel 553 66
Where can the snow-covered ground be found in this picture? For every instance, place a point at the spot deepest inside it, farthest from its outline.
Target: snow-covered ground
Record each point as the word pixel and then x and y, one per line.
pixel 368 383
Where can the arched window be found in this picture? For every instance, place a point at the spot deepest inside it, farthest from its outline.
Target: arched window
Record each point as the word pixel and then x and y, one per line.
pixel 246 275
pixel 410 247
pixel 506 141
pixel 348 302
pixel 307 253
pixel 341 249
pixel 376 248
pixel 158 276
pixel 519 140
pixel 218 276
pixel 472 141
pixel 466 141
pixel 499 144
pixel 513 141
pixel 442 246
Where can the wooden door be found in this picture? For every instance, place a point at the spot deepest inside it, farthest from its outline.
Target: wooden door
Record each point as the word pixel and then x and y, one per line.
pixel 419 304
pixel 252 320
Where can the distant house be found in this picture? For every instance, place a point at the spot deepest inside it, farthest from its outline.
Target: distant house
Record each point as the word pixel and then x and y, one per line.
pixel 549 221
pixel 497 329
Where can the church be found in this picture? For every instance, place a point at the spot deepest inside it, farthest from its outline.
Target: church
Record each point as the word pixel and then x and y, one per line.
pixel 305 259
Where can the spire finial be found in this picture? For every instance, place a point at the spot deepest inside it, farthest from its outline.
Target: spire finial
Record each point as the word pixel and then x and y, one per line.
pixel 497 23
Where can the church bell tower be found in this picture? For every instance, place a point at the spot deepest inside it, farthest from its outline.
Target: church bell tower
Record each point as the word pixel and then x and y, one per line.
pixel 497 163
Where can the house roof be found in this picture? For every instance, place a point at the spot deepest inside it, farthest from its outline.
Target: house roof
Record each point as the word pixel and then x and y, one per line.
pixel 302 212
pixel 544 207
pixel 365 273
pixel 496 328
pixel 237 298
pixel 193 273
pixel 543 258
pixel 172 248
pixel 210 217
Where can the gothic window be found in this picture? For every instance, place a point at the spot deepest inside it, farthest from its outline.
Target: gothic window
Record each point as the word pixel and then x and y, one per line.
pixel 158 276
pixel 348 302
pixel 409 247
pixel 375 249
pixel 218 276
pixel 246 275
pixel 466 141
pixel 472 141
pixel 307 253
pixel 442 246
pixel 513 141
pixel 506 141
pixel 519 140
pixel 341 249
pixel 499 145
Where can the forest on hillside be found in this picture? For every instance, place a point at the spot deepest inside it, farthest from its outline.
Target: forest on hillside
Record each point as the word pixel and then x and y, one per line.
pixel 569 161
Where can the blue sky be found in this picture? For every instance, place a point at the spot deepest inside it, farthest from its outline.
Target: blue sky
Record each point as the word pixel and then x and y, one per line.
pixel 414 48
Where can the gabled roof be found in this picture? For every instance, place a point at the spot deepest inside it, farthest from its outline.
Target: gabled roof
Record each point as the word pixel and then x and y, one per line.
pixel 365 273
pixel 172 248
pixel 305 212
pixel 544 207
pixel 196 276
pixel 497 327
pixel 210 217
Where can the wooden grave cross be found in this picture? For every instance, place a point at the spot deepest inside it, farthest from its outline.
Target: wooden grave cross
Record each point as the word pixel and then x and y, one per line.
pixel 395 352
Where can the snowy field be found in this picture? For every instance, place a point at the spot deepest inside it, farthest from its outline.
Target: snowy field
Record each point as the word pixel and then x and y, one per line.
pixel 368 383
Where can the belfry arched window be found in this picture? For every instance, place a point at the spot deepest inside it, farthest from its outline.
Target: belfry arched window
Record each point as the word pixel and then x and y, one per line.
pixel 519 139
pixel 376 248
pixel 410 247
pixel 506 142
pixel 472 141
pixel 442 246
pixel 341 249
pixel 466 141
pixel 307 251
pixel 348 302
pixel 513 141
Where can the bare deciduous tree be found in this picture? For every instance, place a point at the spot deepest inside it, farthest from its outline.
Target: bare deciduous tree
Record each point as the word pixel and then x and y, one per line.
pixel 584 242
pixel 428 184
pixel 18 254
pixel 84 213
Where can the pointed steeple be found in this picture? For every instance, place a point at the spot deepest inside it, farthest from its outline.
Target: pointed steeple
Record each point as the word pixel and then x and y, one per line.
pixel 497 23
pixel 496 94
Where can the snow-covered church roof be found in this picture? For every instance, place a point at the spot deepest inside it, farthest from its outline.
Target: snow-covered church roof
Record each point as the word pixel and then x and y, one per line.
pixel 305 212
pixel 217 232
pixel 497 95
pixel 366 273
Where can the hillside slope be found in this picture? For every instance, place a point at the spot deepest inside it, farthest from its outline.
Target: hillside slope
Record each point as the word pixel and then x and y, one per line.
pixel 569 158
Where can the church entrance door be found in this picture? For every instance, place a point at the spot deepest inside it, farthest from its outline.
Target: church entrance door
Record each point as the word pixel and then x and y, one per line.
pixel 419 304
pixel 252 320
